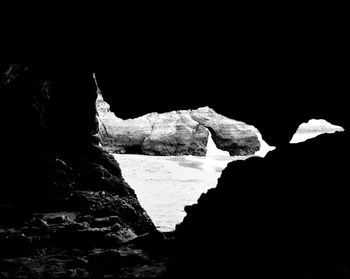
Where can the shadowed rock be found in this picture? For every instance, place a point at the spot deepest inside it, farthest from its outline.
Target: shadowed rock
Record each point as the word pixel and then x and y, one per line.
pixel 288 220
pixel 54 164
pixel 281 216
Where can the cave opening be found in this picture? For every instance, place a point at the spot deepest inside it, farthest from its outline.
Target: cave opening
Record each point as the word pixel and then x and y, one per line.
pixel 168 182
pixel 168 177
pixel 171 158
pixel 77 176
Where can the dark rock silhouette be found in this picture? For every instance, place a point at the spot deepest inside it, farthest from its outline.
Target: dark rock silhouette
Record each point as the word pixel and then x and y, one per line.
pixel 289 220
pixel 61 154
pixel 281 216
pixel 64 200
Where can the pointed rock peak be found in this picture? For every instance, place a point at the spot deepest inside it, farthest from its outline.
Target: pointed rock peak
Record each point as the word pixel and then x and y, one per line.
pixel 98 90
pixel 102 107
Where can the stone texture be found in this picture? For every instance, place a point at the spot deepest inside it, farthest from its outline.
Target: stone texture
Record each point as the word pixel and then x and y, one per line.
pixel 64 167
pixel 230 135
pixel 175 133
pixel 182 132
pixel 54 246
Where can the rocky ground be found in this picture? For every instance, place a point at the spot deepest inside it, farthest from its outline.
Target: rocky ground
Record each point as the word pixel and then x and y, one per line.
pixel 81 219
pixel 78 218
pixel 76 245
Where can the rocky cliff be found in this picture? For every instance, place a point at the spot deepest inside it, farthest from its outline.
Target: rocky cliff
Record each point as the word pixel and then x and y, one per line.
pixel 61 191
pixel 182 132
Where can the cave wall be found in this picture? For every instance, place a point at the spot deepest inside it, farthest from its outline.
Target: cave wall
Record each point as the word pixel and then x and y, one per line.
pixel 270 72
pixel 284 216
pixel 52 160
pixel 276 227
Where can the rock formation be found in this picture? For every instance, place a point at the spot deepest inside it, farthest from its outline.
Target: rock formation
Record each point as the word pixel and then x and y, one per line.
pixel 182 132
pixel 288 220
pixel 229 135
pixel 284 216
pixel 64 200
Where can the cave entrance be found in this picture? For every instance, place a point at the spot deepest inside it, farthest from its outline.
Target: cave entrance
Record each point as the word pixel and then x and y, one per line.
pixel 166 184
pixel 170 159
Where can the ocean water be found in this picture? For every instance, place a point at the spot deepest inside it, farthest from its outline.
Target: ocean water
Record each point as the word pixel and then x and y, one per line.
pixel 166 184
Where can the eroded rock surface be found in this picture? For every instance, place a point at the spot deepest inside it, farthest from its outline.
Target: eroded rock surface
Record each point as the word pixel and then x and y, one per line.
pixel 230 135
pixel 182 132
pixel 57 246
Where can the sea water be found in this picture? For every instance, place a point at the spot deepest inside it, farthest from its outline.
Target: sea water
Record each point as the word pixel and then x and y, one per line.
pixel 166 184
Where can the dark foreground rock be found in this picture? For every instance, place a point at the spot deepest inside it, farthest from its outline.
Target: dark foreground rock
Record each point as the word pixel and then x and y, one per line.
pixel 284 216
pixel 182 132
pixel 288 220
pixel 65 209
pixel 56 246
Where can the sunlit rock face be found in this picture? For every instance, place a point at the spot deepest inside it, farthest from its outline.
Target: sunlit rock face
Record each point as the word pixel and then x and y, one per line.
pixel 181 132
pixel 176 133
pixel 314 128
pixel 305 131
pixel 230 135
pixel 173 133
